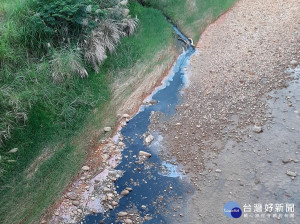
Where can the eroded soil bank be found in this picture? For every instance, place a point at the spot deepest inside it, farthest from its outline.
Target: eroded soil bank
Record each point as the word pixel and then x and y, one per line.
pixel 238 85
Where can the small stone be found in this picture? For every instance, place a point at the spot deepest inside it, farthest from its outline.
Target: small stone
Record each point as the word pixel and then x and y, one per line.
pixel 71 195
pixel 106 189
pixel 107 129
pixel 110 195
pixel 178 124
pixel 110 207
pixel 57 213
pixel 147 217
pixel 128 221
pixel 145 154
pixel 144 207
pixel 128 188
pixel 218 171
pixel 121 214
pixel 85 168
pixel 149 139
pixel 257 129
pixel 14 150
pixel 125 116
pixel 114 203
pixel 285 161
pixel 294 63
pixel 121 144
pixel 125 192
pixel 79 210
pixel 153 102
pixel 291 173
pixel 43 222
pixel 76 203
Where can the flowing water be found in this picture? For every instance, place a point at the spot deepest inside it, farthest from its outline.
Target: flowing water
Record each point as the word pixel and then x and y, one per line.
pixel 156 184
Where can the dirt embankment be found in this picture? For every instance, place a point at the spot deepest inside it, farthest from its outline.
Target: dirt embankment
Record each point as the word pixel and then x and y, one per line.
pixel 83 195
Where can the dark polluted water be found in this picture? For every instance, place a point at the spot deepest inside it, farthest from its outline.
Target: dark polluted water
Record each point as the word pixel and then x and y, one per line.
pixel 153 191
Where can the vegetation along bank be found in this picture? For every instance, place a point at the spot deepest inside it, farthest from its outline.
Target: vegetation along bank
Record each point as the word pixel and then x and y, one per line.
pixel 67 68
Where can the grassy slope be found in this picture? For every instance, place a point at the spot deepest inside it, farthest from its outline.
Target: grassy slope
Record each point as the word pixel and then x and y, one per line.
pixel 27 192
pixel 192 16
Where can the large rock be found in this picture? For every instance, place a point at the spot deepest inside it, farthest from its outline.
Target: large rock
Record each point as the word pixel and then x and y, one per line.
pixel 144 154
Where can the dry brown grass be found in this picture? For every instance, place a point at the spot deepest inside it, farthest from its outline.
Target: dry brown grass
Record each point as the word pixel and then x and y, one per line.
pixel 106 37
pixel 66 63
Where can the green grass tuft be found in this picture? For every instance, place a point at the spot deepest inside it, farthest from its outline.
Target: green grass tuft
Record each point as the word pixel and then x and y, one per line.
pixel 192 16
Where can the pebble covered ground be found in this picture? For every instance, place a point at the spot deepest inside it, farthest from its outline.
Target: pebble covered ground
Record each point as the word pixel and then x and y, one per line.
pixel 240 60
